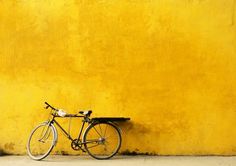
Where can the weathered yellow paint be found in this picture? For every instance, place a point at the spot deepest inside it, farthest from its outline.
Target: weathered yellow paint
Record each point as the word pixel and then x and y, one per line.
pixel 168 64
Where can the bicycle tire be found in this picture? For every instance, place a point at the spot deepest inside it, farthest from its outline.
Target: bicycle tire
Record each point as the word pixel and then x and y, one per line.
pixel 102 141
pixel 34 151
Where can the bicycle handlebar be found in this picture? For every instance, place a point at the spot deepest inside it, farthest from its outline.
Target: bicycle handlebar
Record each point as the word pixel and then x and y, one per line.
pixel 48 105
pixel 59 112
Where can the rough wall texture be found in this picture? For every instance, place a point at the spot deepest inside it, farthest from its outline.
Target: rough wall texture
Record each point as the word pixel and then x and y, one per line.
pixel 168 64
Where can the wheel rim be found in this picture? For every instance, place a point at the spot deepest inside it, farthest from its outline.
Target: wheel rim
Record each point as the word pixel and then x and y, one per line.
pixel 103 140
pixel 41 142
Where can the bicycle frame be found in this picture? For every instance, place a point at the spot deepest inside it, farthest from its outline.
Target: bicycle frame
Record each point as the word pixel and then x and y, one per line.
pixel 86 120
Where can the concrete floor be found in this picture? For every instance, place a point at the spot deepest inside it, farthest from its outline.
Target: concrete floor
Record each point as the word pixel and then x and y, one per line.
pixel 119 161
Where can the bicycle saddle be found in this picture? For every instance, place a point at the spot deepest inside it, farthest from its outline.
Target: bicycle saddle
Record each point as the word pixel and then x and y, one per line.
pixel 86 112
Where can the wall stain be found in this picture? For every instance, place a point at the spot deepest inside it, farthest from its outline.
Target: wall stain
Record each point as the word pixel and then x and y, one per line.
pixel 9 146
pixel 62 152
pixel 233 13
pixel 136 152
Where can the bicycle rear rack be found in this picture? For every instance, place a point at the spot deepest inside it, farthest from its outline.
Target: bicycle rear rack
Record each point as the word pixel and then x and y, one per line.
pixel 110 119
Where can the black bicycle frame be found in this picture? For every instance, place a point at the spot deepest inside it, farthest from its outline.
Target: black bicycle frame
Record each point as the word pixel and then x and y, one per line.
pixel 64 131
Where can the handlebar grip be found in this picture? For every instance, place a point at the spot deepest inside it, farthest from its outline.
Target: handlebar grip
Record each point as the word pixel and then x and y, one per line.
pixel 47 105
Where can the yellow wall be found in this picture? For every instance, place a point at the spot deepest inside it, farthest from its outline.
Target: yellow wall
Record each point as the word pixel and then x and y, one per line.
pixel 170 65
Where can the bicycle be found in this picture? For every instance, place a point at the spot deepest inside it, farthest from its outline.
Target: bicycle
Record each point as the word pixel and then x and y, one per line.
pixel 101 139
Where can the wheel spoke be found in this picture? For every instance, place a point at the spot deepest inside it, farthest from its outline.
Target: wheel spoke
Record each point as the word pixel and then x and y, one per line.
pixel 97 131
pixel 93 146
pixel 105 131
pixel 100 129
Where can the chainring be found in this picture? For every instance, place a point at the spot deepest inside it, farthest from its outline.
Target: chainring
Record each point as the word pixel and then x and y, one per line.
pixel 76 145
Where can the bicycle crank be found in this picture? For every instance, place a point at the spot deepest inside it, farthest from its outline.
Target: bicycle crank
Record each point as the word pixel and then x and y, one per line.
pixel 77 145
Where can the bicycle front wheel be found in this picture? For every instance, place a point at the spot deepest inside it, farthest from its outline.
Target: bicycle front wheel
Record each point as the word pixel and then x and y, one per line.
pixel 41 141
pixel 102 140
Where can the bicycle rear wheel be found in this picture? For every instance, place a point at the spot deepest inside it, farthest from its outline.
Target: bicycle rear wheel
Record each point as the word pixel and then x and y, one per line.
pixel 102 140
pixel 41 141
